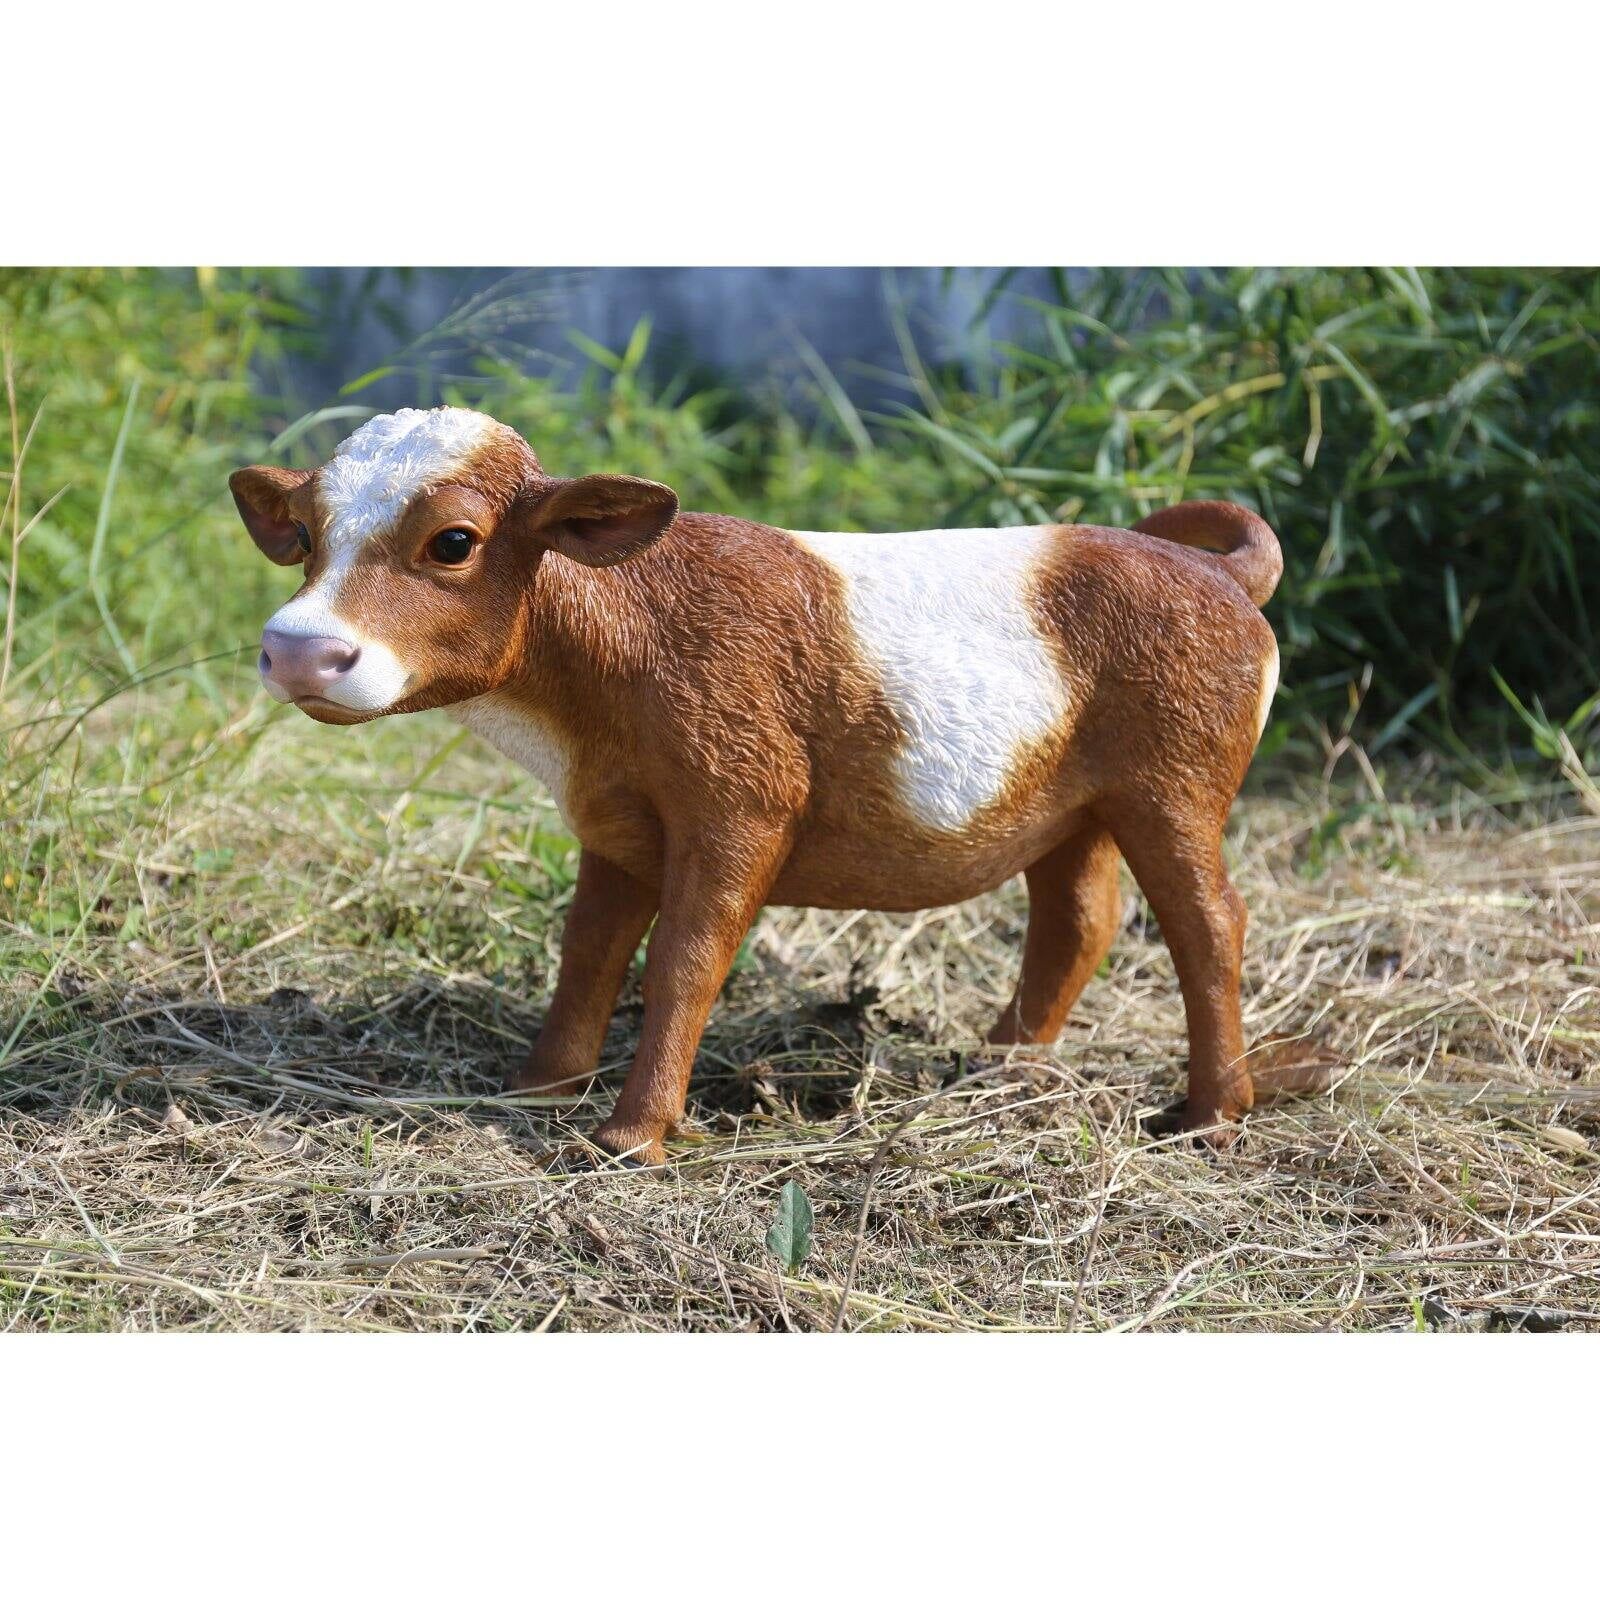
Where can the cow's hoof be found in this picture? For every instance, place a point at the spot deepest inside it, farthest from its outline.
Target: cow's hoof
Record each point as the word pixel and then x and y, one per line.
pixel 1204 1127
pixel 628 1146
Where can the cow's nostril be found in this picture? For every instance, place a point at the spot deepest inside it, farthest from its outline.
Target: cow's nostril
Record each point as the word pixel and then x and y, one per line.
pixel 302 664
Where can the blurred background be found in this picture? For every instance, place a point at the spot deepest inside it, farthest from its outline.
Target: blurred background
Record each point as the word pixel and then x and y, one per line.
pixel 1426 443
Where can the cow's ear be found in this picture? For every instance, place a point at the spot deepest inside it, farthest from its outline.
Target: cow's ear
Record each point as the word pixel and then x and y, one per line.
pixel 599 520
pixel 262 496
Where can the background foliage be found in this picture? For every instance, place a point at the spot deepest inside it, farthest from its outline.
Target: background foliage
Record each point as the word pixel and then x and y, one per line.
pixel 1425 442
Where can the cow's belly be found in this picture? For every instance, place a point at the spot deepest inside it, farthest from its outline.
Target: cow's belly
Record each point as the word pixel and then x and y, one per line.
pixel 872 874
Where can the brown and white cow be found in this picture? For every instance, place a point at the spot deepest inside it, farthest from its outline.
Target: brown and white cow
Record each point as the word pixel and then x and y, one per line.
pixel 730 716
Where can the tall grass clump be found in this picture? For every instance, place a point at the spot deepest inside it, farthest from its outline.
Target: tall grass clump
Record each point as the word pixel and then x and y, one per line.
pixel 131 395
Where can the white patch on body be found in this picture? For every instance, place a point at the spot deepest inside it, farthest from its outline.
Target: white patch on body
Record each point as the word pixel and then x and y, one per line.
pixel 1269 687
pixel 516 733
pixel 371 479
pixel 946 618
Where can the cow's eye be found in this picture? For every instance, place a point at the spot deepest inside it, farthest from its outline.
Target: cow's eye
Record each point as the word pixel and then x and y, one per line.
pixel 451 547
pixel 302 537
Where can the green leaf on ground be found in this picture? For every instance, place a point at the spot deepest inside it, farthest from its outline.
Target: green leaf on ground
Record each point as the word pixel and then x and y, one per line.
pixel 789 1237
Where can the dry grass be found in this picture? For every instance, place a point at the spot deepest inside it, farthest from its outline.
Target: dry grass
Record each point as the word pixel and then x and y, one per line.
pixel 260 981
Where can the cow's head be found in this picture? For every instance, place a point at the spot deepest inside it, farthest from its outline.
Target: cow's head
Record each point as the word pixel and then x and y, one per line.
pixel 420 541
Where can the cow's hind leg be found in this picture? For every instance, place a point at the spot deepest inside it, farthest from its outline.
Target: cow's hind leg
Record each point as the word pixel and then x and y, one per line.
pixel 1176 857
pixel 1074 911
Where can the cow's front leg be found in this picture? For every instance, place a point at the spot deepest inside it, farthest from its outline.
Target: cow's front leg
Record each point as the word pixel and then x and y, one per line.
pixel 609 914
pixel 711 890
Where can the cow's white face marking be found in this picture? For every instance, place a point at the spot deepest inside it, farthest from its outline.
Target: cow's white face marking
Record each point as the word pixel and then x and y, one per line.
pixel 377 470
pixel 372 477
pixel 945 617
pixel 516 733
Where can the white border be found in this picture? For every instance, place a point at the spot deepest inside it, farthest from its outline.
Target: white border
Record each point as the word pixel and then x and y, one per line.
pixel 1234 132
pixel 936 1463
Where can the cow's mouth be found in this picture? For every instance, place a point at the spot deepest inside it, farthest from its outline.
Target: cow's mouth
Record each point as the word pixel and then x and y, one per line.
pixel 323 710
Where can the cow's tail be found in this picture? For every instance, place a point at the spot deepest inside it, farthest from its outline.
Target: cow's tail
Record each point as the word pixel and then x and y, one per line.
pixel 1246 546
